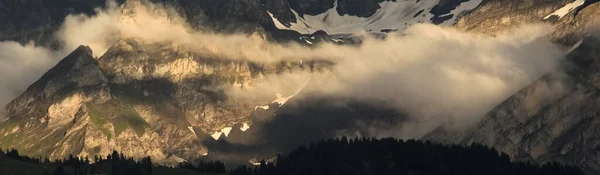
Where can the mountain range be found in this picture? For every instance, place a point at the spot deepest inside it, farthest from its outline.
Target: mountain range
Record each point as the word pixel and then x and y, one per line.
pixel 173 102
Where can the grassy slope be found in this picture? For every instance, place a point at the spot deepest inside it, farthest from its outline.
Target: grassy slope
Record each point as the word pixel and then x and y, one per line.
pixel 120 114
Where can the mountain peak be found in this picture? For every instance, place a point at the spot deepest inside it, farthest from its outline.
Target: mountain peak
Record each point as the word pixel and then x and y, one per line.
pixel 83 49
pixel 76 59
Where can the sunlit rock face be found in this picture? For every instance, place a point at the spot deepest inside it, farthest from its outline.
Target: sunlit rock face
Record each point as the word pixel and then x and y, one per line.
pixel 572 19
pixel 141 99
pixel 493 16
pixel 572 28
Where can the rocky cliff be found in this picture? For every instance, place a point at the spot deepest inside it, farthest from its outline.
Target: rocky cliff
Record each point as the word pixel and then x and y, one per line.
pixel 553 119
pixel 141 99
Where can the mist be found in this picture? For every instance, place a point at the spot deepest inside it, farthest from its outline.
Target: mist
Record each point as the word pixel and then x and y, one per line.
pixel 21 65
pixel 436 75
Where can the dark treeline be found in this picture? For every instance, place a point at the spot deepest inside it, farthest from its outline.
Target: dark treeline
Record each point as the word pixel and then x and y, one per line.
pixel 113 164
pixel 393 156
pixel 205 167
pixel 119 164
pixel 326 157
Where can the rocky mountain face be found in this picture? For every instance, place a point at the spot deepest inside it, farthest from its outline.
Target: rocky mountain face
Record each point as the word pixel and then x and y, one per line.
pixel 572 28
pixel 493 16
pixel 572 19
pixel 163 101
pixel 140 99
pixel 158 100
pixel 555 118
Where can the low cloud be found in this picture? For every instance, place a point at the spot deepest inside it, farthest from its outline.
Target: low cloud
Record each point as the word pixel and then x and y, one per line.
pixel 437 75
pixel 21 65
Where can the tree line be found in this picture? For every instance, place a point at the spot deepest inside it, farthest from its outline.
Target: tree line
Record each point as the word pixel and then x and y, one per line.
pixel 370 156
pixel 119 164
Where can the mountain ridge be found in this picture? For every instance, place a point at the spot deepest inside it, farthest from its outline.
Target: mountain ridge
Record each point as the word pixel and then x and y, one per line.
pixel 159 100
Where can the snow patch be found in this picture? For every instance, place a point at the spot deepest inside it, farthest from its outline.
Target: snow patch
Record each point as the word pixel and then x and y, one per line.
pixel 192 129
pixel 337 40
pixel 226 131
pixel 282 100
pixel 178 159
pixel 575 46
pixel 265 107
pixel 216 135
pixel 245 127
pixel 460 9
pixel 278 24
pixel 566 9
pixel 397 15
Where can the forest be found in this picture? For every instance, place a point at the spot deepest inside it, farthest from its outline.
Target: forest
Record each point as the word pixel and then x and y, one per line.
pixel 368 156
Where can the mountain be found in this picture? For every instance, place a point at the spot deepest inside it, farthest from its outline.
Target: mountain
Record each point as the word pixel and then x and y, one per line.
pixel 160 100
pixel 295 17
pixel 493 16
pixel 135 99
pixel 553 119
pixel 169 102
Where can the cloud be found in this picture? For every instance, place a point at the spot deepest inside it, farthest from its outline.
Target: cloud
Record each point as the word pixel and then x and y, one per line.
pixel 21 65
pixel 437 75
pixel 430 75
pixel 441 75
